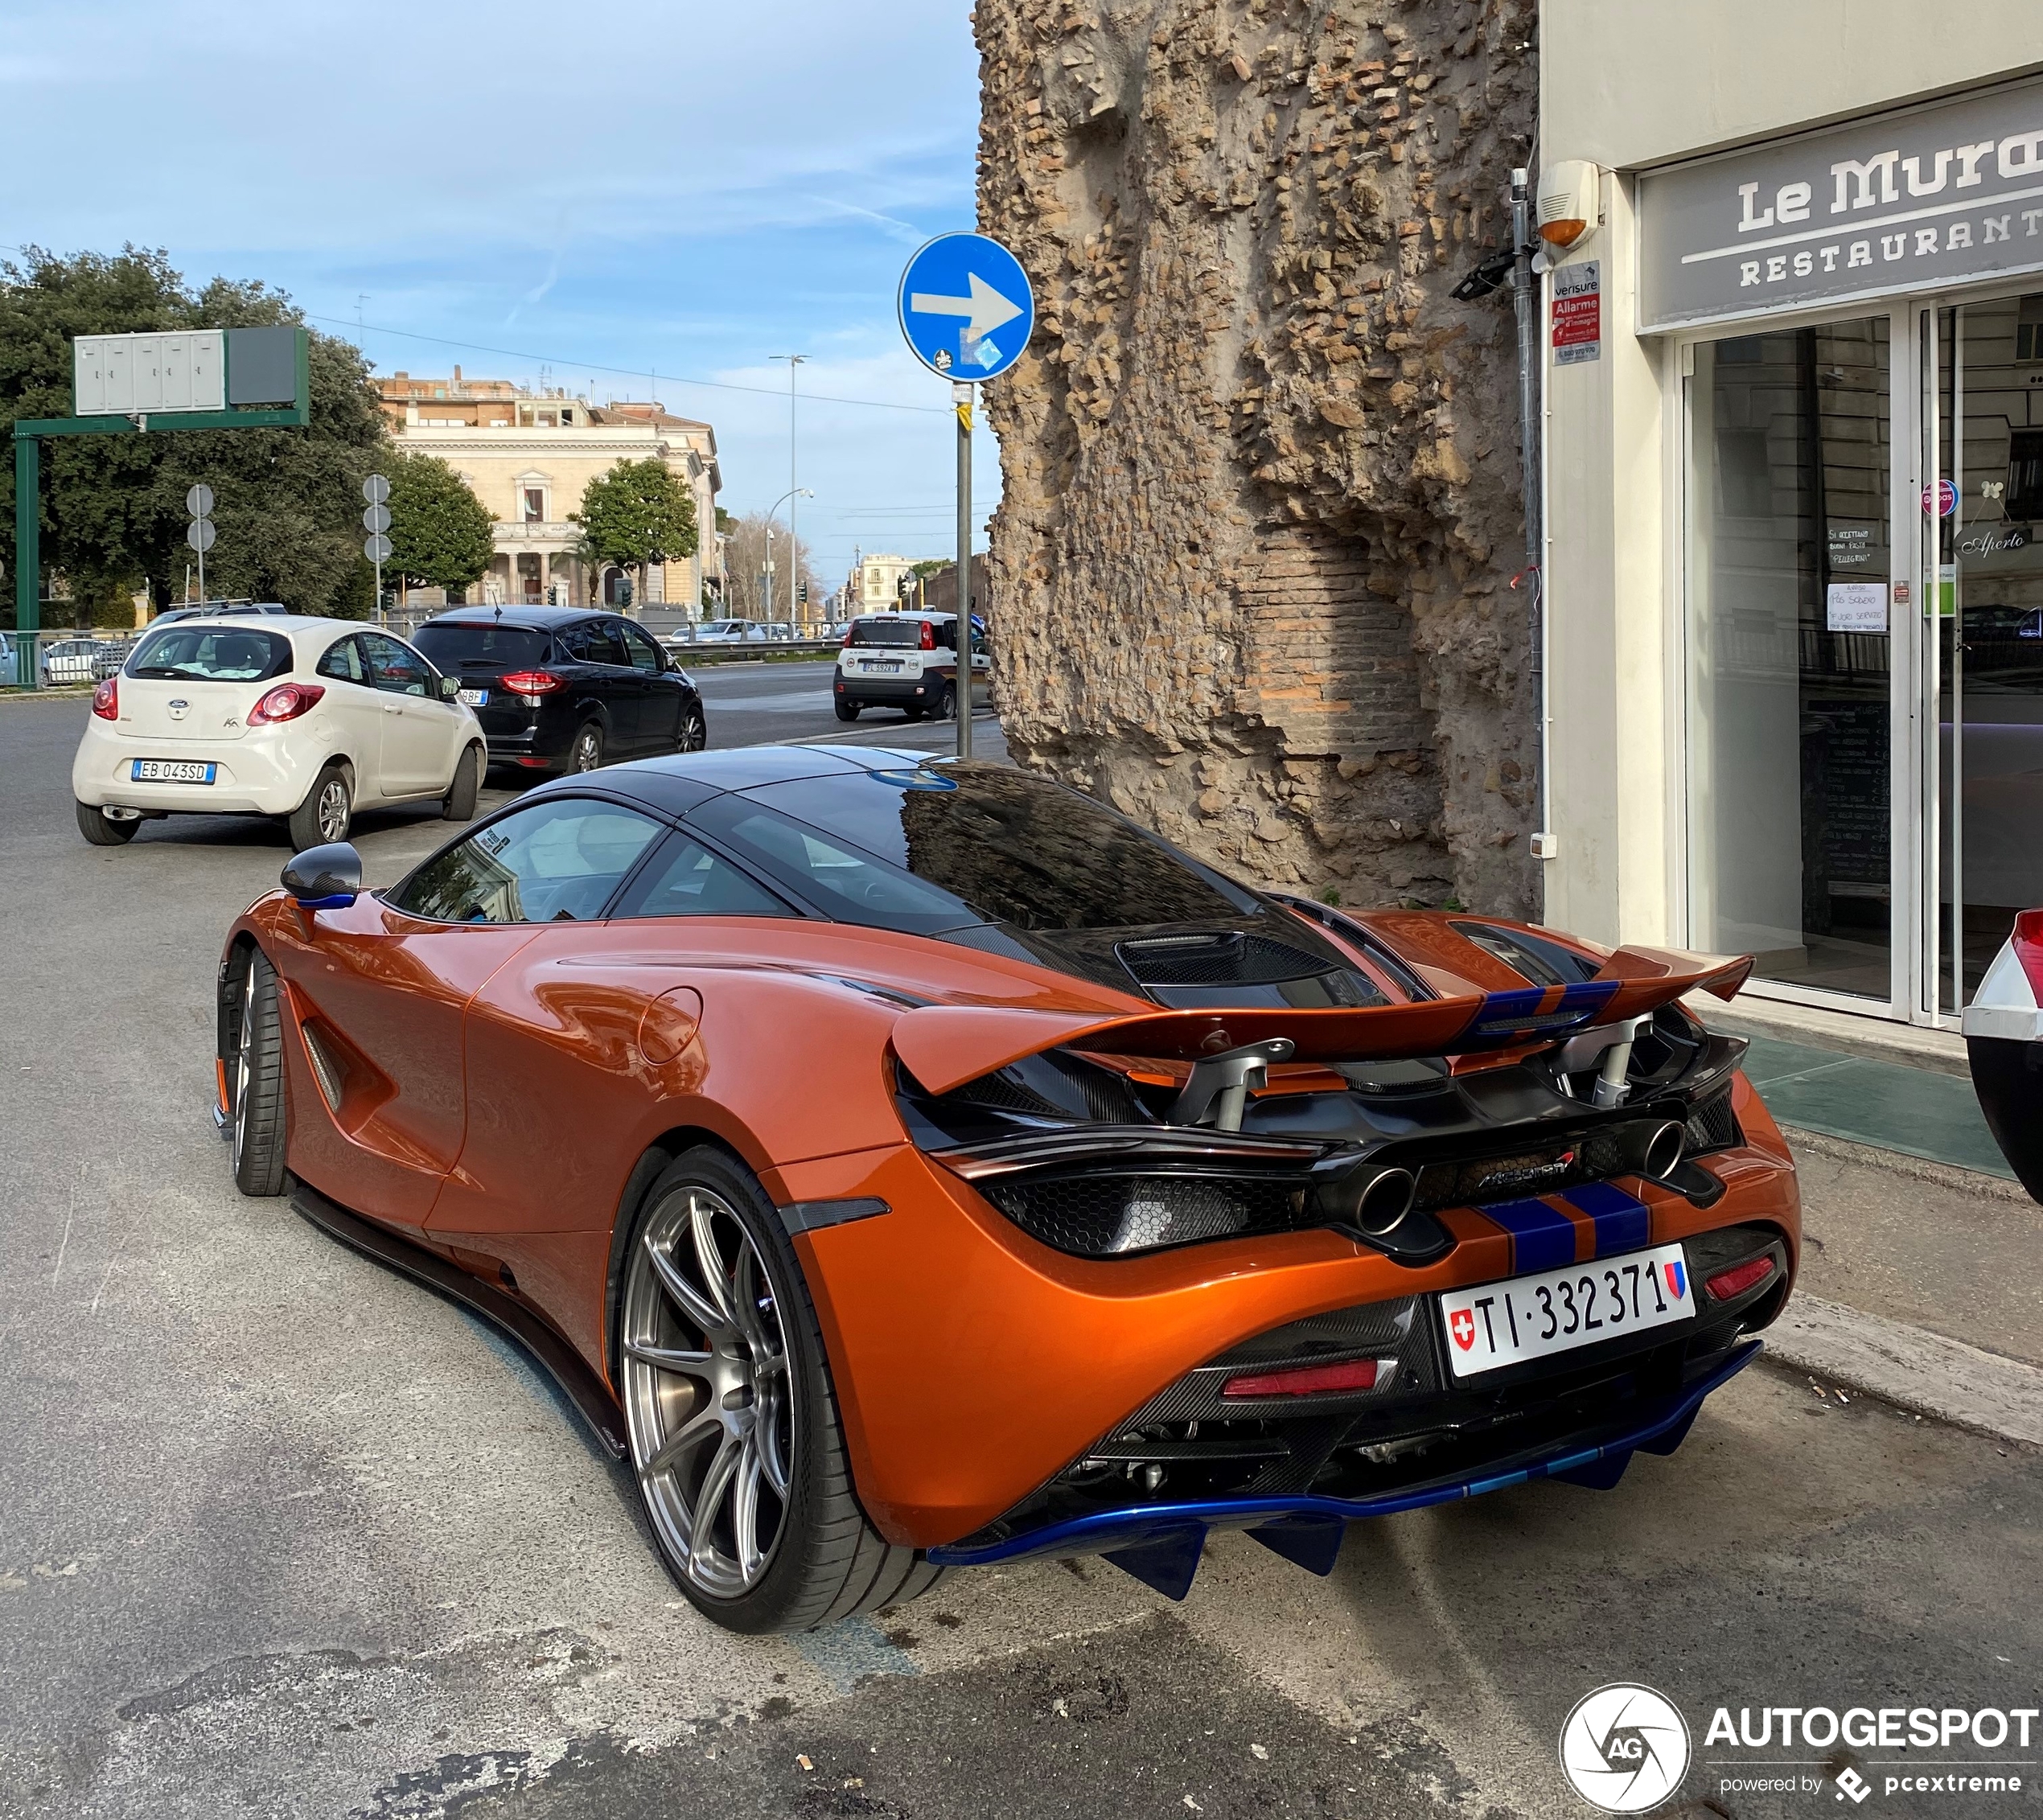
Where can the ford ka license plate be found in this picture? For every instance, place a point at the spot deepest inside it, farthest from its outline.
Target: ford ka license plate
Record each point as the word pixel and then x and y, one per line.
pixel 1498 1324
pixel 473 697
pixel 171 770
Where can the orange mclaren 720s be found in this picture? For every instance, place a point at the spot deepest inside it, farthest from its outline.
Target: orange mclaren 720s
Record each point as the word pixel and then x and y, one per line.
pixel 906 1165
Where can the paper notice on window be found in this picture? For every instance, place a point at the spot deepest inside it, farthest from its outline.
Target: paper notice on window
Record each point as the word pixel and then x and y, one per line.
pixel 1857 607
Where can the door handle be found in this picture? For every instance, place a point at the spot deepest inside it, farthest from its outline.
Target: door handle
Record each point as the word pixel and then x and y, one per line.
pixel 391 708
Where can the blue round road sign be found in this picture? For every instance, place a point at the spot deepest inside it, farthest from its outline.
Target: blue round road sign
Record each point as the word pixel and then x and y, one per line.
pixel 966 307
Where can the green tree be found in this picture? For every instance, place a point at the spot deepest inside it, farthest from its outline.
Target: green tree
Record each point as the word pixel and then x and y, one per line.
pixel 287 502
pixel 441 535
pixel 637 514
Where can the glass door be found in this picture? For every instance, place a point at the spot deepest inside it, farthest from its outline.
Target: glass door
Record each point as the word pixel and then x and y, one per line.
pixel 1982 628
pixel 1790 711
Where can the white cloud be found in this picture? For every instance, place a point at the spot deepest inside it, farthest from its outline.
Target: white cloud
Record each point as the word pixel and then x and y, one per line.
pixel 643 185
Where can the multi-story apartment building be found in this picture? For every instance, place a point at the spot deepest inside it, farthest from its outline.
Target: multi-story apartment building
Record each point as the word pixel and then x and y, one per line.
pixel 529 455
pixel 875 582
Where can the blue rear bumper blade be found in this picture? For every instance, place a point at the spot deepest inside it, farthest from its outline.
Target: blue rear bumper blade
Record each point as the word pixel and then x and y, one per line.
pixel 1103 1531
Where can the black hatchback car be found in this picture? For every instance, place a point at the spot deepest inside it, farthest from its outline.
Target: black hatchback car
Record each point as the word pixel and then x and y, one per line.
pixel 560 688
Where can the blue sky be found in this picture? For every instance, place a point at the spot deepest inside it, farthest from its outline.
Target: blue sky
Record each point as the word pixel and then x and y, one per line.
pixel 679 189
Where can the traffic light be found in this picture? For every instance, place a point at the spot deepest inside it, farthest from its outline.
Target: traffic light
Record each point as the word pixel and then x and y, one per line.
pixel 801 594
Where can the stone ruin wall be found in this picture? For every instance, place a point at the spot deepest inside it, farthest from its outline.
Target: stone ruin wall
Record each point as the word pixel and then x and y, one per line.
pixel 1251 569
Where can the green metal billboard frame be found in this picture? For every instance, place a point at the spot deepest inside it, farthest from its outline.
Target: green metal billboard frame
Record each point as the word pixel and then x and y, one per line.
pixel 30 433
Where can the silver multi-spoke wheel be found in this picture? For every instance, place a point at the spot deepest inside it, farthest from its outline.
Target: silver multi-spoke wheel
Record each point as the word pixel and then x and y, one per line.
pixel 588 753
pixel 708 1392
pixel 244 1048
pixel 333 809
pixel 256 1073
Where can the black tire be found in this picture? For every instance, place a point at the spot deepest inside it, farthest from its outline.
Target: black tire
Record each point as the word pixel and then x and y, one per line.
pixel 101 832
pixel 695 732
pixel 458 804
pixel 327 813
pixel 586 750
pixel 825 1562
pixel 255 1075
pixel 847 710
pixel 946 703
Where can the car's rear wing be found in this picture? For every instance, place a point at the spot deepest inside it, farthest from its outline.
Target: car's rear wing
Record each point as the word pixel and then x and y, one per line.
pixel 945 1045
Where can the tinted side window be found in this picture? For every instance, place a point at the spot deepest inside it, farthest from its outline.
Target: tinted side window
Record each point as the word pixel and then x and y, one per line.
pixel 342 663
pixel 644 654
pixel 392 666
pixel 560 861
pixel 594 642
pixel 684 878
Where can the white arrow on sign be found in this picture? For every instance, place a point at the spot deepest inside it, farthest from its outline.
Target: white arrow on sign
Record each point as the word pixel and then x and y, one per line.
pixel 984 310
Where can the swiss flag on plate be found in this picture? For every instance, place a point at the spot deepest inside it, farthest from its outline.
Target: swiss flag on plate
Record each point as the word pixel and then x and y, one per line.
pixel 1461 1325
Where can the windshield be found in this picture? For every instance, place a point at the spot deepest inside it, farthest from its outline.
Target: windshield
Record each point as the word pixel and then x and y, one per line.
pixel 211 653
pixel 1020 850
pixel 895 634
pixel 481 644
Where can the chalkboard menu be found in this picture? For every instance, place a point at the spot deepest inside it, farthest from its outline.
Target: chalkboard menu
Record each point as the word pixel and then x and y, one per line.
pixel 1845 757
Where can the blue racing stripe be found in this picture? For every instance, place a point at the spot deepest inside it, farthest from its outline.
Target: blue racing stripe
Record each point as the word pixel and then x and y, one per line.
pixel 1542 1238
pixel 1623 1223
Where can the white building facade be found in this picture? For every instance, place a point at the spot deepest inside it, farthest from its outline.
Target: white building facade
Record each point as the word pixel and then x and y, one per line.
pixel 1792 457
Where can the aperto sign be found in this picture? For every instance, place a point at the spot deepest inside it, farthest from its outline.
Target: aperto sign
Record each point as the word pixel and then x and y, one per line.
pixel 1924 197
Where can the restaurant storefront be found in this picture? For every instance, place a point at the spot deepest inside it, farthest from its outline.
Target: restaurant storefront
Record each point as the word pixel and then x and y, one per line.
pixel 1794 556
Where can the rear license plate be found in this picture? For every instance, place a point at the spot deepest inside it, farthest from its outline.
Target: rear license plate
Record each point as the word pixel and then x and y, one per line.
pixel 473 697
pixel 170 771
pixel 1498 1324
pixel 873 668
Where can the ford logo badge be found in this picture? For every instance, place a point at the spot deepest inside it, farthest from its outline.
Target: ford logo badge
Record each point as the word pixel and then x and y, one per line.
pixel 178 709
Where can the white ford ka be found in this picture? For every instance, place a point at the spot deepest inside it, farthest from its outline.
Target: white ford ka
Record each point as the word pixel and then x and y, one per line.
pixel 303 719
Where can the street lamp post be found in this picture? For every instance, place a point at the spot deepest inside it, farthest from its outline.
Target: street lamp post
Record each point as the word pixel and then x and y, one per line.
pixel 793 548
pixel 794 592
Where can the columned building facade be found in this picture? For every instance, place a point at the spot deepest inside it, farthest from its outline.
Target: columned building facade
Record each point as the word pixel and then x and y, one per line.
pixel 529 455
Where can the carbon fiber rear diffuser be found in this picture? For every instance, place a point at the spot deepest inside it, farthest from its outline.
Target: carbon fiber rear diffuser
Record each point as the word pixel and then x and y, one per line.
pixel 1160 1544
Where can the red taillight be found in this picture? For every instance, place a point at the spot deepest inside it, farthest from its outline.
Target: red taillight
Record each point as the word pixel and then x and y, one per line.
pixel 532 682
pixel 2028 948
pixel 845 641
pixel 1727 1285
pixel 285 702
pixel 106 700
pixel 1301 1381
pixel 929 636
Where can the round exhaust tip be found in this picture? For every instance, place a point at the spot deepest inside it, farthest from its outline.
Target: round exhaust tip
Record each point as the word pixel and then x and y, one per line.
pixel 1386 1201
pixel 1664 1151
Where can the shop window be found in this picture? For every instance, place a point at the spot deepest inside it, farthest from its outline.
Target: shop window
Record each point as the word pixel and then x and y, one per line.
pixel 1788 574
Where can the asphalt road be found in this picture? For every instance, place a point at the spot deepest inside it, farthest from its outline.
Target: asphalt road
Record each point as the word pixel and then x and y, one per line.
pixel 748 704
pixel 283 1535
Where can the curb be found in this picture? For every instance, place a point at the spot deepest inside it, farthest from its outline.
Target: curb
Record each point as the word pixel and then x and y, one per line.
pixel 1911 1368
pixel 1976 1182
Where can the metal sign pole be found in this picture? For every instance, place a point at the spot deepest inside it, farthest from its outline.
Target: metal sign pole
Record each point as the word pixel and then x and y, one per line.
pixel 970 279
pixel 28 558
pixel 376 520
pixel 961 396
